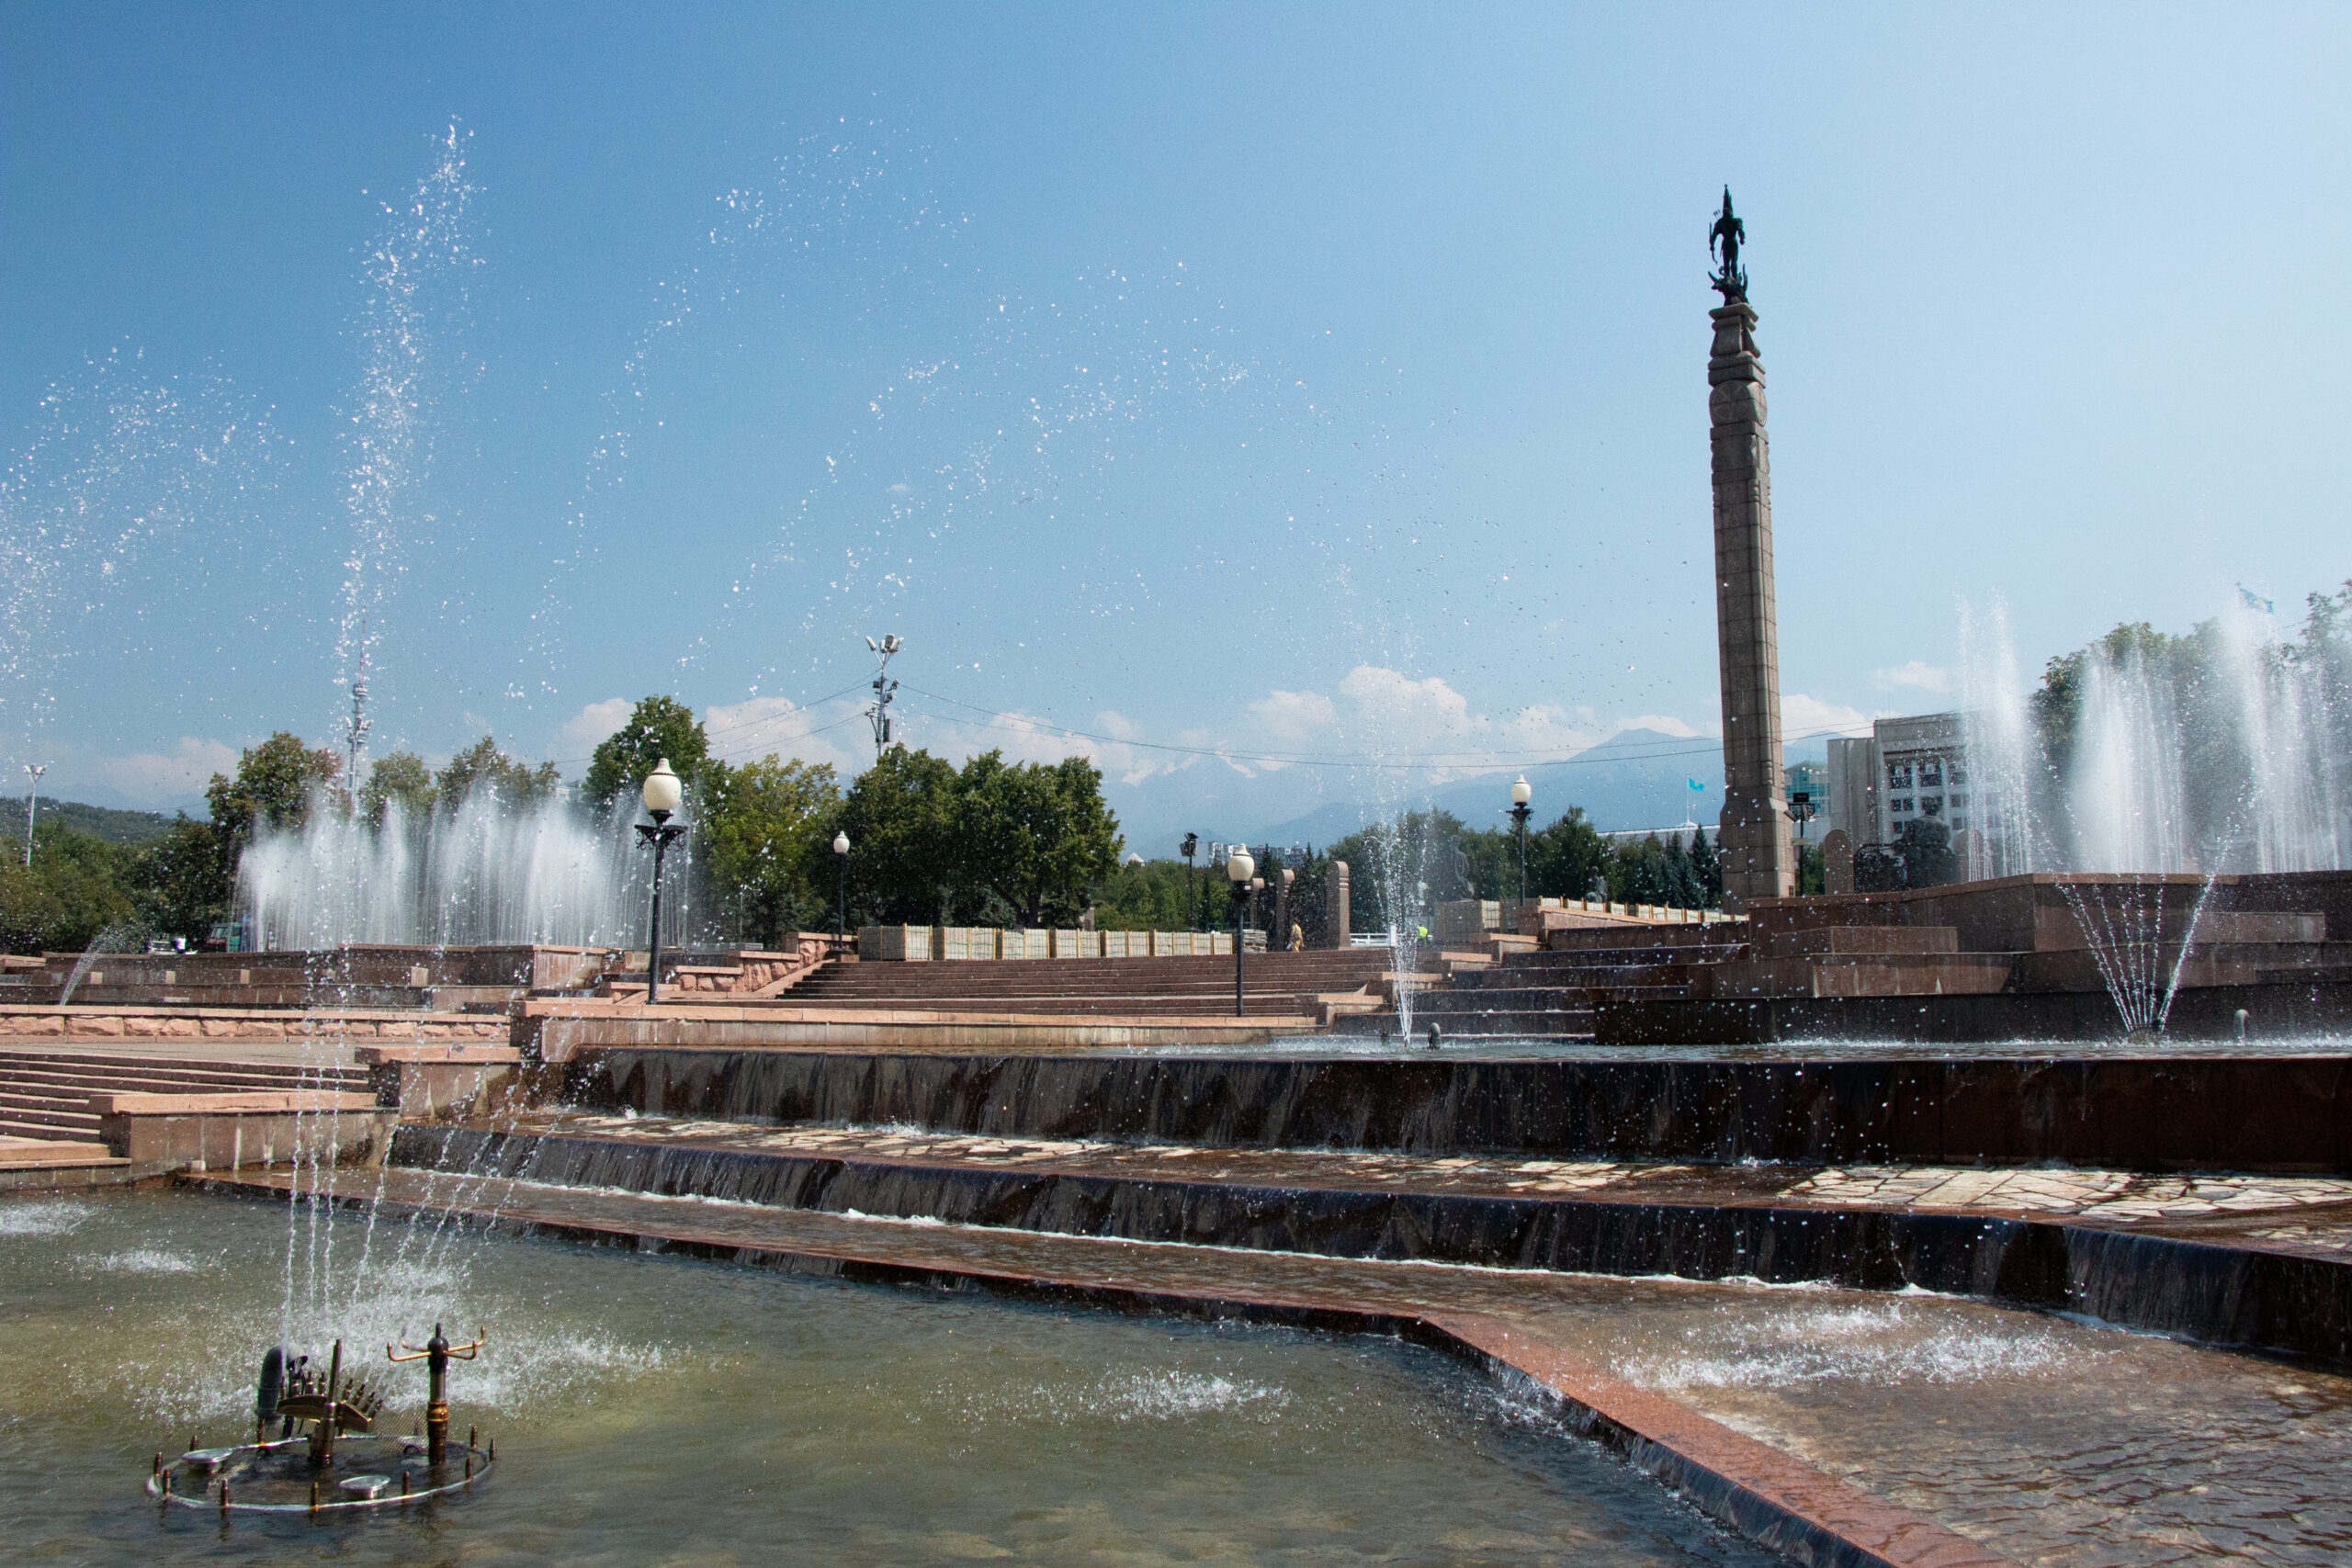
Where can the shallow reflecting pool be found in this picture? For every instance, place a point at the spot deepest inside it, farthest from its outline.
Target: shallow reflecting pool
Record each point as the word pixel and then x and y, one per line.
pixel 655 1410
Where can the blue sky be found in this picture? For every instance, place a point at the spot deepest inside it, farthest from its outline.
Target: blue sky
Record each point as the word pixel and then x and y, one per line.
pixel 1323 383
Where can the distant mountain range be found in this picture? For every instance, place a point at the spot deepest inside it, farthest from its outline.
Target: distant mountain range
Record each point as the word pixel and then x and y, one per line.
pixel 98 821
pixel 1637 778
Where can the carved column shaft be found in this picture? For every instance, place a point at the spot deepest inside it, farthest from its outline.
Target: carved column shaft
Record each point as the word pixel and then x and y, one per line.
pixel 1759 855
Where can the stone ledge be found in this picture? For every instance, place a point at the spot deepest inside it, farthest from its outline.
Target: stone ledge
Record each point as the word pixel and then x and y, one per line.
pixel 231 1102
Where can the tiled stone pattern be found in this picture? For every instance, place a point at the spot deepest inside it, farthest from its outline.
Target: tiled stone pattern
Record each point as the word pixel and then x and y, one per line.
pixel 1758 859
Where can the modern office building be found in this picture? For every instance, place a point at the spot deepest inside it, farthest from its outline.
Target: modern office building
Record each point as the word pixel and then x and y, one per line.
pixel 1807 786
pixel 1908 769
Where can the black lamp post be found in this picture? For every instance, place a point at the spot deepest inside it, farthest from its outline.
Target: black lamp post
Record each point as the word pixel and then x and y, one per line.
pixel 661 793
pixel 840 889
pixel 1521 792
pixel 1192 904
pixel 1239 869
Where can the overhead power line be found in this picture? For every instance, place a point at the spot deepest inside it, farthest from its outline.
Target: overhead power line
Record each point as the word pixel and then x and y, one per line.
pixel 1639 752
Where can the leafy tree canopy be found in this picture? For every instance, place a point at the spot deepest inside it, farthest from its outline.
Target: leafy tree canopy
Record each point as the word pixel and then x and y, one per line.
pixel 483 766
pixel 399 779
pixel 906 866
pixel 658 726
pixel 766 828
pixel 273 788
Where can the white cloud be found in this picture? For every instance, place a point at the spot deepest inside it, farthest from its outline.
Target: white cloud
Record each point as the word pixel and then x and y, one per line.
pixel 152 776
pixel 588 727
pixel 1802 715
pixel 1382 714
pixel 744 731
pixel 1291 721
pixel 1374 712
pixel 1927 677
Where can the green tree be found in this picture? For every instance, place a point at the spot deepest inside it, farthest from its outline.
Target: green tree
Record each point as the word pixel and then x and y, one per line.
pixel 73 891
pixel 400 778
pixel 658 726
pixel 1562 859
pixel 1399 872
pixel 483 766
pixel 1034 836
pixel 1707 870
pixel 274 788
pixel 765 828
pixel 180 883
pixel 1150 895
pixel 905 863
pixel 1813 872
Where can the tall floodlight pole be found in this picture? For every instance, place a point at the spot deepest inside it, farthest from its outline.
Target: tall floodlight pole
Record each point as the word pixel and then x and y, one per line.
pixel 662 791
pixel 1239 869
pixel 33 771
pixel 884 690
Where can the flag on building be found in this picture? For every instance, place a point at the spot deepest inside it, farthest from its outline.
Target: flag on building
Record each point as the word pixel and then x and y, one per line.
pixel 1694 783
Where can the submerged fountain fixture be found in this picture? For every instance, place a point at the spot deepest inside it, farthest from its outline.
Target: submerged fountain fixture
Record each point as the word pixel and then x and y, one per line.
pixel 341 1463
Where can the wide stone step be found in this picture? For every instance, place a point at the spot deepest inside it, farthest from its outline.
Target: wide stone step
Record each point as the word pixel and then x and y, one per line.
pixel 79 1122
pixel 70 1080
pixel 1623 956
pixel 1109 1006
pixel 1565 1025
pixel 1521 999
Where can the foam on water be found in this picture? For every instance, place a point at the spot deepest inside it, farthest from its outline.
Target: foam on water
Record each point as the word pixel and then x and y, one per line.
pixel 53 1217
pixel 1881 1343
pixel 145 1260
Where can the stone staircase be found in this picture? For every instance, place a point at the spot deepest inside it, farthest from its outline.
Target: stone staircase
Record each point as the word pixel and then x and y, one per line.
pixel 1308 986
pixel 46 1094
pixel 446 979
pixel 1551 993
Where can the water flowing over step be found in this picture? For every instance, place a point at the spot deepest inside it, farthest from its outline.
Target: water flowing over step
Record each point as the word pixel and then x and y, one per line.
pixel 2256 1261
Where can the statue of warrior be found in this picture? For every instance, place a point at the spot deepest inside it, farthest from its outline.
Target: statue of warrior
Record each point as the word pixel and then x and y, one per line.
pixel 1725 238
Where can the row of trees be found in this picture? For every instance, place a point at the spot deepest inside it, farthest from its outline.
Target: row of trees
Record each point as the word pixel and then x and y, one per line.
pixel 2205 678
pixel 80 888
pixel 988 842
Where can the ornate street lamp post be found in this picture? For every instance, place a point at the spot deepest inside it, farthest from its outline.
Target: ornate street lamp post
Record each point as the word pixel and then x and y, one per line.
pixel 1191 905
pixel 1521 792
pixel 1239 869
pixel 840 889
pixel 662 791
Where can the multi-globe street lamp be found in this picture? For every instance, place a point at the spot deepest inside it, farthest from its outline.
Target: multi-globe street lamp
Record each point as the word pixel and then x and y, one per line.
pixel 1521 792
pixel 1239 868
pixel 662 791
pixel 841 887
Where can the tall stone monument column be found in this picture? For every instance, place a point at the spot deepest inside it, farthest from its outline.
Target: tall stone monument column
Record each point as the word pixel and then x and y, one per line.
pixel 1758 856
